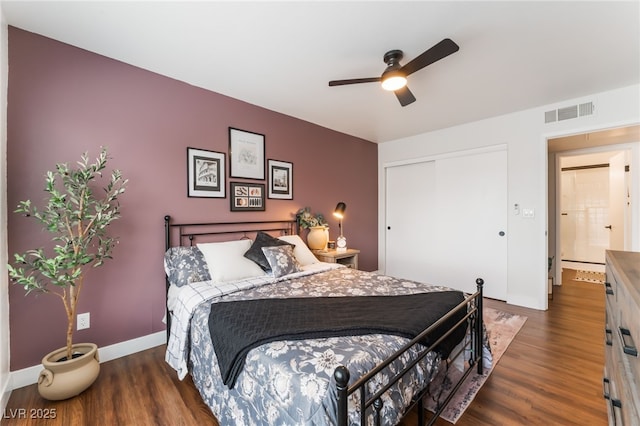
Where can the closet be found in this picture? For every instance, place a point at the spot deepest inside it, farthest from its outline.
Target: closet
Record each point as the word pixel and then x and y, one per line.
pixel 446 220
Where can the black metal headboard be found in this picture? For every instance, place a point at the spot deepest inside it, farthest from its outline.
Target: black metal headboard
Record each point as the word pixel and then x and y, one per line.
pixel 189 231
pixel 186 233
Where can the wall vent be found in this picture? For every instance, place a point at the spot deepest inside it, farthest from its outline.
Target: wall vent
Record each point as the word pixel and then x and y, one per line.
pixel 550 116
pixel 585 109
pixel 568 113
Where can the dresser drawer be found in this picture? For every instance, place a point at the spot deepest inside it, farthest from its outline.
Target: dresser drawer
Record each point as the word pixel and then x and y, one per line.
pixel 609 281
pixel 612 398
pixel 628 330
pixel 628 409
pixel 621 404
pixel 607 388
pixel 611 291
pixel 622 337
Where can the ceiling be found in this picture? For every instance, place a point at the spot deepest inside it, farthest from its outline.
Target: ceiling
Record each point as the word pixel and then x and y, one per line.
pixel 280 55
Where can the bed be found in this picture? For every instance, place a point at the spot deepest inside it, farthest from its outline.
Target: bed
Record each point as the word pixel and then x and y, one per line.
pixel 330 345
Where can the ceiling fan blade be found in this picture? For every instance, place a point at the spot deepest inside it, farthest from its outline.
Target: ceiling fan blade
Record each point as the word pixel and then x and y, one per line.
pixel 354 81
pixel 441 50
pixel 405 96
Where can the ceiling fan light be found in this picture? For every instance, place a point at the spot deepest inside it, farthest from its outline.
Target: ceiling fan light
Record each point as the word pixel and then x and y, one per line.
pixel 393 80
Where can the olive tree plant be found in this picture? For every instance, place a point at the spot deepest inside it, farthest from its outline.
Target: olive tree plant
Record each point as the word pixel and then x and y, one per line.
pixel 78 218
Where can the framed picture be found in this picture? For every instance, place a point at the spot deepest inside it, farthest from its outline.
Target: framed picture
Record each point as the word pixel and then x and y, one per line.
pixel 246 197
pixel 205 173
pixel 246 154
pixel 280 179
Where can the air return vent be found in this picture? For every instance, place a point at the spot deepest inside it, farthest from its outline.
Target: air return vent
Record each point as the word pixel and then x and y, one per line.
pixel 585 109
pixel 568 113
pixel 550 116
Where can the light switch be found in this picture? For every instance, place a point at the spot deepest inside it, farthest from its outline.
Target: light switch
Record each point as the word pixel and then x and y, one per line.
pixel 528 213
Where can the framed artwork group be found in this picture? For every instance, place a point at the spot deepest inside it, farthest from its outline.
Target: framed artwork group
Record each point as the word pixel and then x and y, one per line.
pixel 207 173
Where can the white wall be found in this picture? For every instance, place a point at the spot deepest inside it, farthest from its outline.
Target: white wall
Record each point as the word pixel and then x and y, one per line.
pixel 525 134
pixel 4 290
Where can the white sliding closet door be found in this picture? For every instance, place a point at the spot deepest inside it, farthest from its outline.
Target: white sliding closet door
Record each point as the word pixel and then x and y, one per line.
pixel 472 208
pixel 410 219
pixel 459 231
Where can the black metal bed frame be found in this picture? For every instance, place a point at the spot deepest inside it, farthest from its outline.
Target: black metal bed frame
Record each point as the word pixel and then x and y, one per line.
pixel 472 305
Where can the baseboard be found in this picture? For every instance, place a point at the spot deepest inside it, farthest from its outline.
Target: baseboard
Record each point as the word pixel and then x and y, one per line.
pixel 129 347
pixel 28 376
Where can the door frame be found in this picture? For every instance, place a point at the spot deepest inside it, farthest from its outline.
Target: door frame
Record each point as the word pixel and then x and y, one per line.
pixel 634 163
pixel 627 147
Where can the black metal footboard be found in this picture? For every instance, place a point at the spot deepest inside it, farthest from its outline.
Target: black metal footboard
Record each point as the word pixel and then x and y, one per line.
pixel 473 306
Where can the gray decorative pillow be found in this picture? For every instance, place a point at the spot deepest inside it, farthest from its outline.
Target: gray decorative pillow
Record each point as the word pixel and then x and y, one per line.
pixel 185 265
pixel 281 260
pixel 255 252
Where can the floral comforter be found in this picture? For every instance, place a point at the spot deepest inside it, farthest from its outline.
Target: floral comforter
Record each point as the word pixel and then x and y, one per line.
pixel 291 382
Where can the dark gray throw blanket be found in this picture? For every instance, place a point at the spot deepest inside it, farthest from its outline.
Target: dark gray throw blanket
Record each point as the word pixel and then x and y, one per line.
pixel 238 326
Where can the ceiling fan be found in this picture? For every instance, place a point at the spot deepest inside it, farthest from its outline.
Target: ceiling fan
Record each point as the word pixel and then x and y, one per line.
pixel 394 77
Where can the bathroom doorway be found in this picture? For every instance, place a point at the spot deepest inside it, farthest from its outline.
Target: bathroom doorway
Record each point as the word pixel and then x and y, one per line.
pixel 590 198
pixel 594 199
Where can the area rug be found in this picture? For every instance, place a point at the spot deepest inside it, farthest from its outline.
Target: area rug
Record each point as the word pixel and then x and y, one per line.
pixel 501 328
pixel 589 276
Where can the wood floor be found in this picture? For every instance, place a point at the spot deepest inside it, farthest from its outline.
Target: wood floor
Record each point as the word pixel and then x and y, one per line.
pixel 550 374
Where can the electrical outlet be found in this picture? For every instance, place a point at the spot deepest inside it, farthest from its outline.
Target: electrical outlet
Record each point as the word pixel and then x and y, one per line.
pixel 83 321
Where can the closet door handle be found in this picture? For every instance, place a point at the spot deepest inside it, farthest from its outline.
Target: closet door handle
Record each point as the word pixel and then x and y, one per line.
pixel 608 334
pixel 608 227
pixel 628 346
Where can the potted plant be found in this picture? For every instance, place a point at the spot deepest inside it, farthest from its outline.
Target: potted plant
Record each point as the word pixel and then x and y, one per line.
pixel 318 228
pixel 77 216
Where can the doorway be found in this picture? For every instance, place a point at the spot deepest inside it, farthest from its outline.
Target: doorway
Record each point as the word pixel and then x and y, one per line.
pixel 594 197
pixel 590 198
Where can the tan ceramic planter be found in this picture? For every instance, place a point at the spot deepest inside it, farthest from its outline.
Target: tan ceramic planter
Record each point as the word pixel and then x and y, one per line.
pixel 66 379
pixel 317 237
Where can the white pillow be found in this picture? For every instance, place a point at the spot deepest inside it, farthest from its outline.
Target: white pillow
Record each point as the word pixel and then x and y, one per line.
pixel 226 260
pixel 301 251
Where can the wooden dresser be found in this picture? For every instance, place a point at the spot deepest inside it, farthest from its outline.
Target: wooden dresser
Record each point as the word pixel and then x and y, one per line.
pixel 622 335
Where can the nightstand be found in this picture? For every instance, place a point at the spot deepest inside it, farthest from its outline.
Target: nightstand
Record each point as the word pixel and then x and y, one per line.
pixel 347 258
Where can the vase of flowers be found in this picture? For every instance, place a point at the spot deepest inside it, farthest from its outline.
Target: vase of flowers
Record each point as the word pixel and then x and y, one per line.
pixel 318 227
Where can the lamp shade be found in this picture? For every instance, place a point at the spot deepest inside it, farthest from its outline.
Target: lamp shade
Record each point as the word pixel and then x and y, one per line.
pixel 339 211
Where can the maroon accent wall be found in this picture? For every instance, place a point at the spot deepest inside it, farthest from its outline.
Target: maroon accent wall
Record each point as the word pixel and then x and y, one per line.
pixel 63 101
